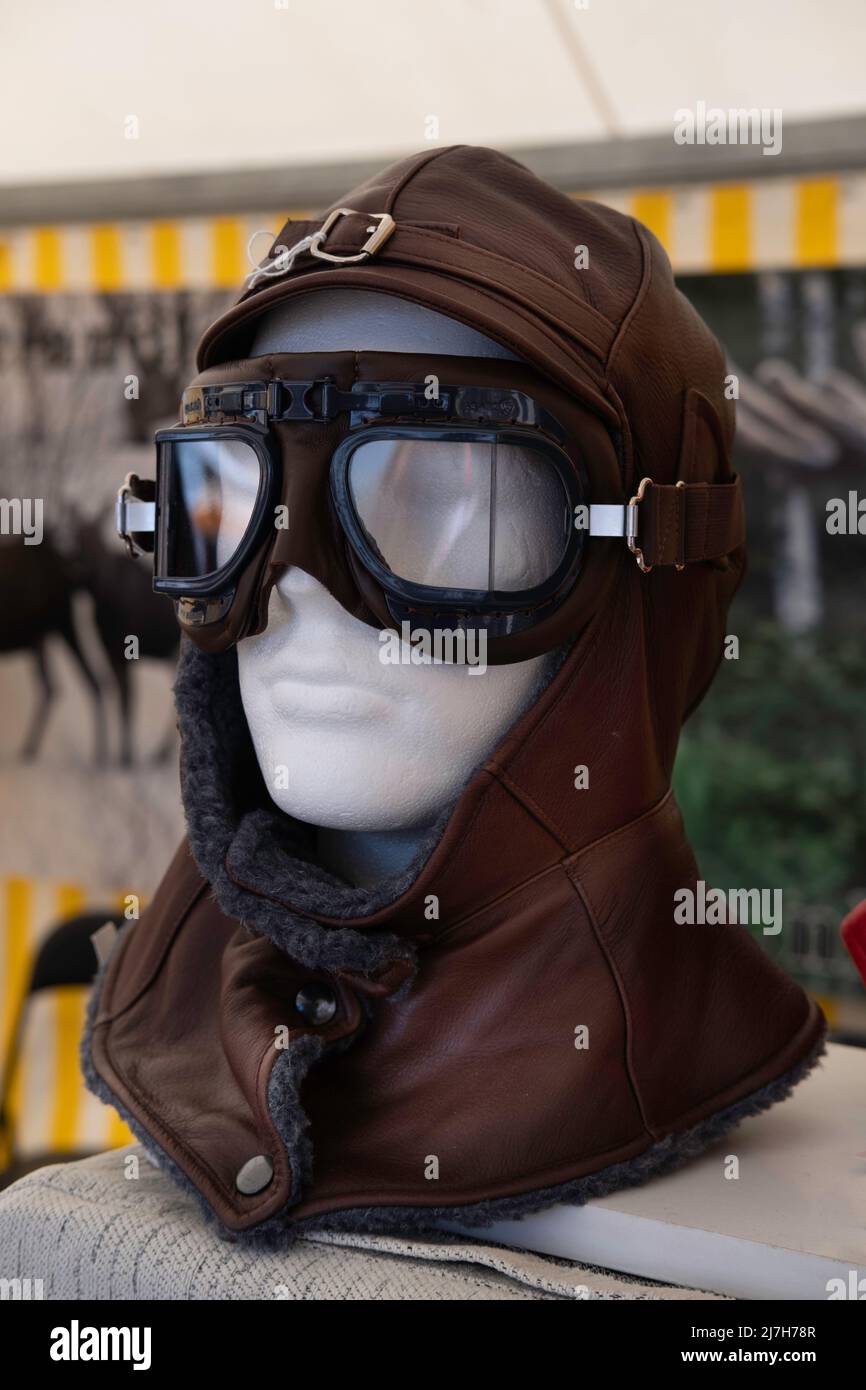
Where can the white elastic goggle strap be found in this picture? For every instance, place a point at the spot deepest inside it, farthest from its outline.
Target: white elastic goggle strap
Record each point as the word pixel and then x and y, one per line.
pixel 137 515
pixel 607 519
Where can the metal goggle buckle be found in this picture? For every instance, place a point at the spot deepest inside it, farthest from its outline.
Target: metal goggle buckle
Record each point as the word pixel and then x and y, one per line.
pixel 379 235
pixel 135 515
pixel 631 525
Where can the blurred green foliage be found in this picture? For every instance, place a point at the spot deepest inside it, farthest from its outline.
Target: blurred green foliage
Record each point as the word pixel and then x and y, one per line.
pixel 771 771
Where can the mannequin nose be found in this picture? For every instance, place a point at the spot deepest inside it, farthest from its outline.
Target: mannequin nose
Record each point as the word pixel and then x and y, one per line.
pixel 294 581
pixel 299 599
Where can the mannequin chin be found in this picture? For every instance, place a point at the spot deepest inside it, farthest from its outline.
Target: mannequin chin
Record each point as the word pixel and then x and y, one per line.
pixel 369 751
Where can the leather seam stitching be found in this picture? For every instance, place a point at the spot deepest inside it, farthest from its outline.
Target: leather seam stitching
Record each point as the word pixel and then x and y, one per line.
pixel 414 170
pixel 528 803
pixel 177 921
pixel 640 296
pixel 655 809
pixel 619 985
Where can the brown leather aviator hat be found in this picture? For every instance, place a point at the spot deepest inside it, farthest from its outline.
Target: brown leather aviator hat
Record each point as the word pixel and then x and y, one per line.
pixel 526 1005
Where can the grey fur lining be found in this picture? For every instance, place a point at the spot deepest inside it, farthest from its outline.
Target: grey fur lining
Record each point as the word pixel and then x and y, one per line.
pixel 668 1154
pixel 284 1103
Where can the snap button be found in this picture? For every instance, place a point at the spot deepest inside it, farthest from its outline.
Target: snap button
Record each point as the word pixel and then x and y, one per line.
pixel 316 1004
pixel 255 1175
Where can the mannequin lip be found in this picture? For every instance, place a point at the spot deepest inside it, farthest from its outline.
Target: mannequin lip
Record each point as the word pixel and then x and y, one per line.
pixel 312 697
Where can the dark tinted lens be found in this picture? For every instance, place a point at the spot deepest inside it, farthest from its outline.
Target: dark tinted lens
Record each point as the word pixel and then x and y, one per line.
pixel 461 515
pixel 209 497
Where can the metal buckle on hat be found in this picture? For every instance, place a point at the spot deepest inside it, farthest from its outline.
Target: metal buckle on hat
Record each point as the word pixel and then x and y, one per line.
pixel 631 525
pixel 375 242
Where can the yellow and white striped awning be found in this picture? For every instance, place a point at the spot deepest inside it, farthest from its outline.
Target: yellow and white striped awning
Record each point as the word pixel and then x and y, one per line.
pixel 784 224
pixel 51 1110
pixel 761 224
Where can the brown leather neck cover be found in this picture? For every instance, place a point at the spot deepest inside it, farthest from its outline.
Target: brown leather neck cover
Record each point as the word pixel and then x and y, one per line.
pixel 555 912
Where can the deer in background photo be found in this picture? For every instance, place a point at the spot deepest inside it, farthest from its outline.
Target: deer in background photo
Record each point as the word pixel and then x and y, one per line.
pixel 39 583
pixel 108 374
pixel 37 604
pixel 124 606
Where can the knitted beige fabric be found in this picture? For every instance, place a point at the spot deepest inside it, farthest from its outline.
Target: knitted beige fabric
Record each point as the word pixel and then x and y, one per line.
pixel 115 1227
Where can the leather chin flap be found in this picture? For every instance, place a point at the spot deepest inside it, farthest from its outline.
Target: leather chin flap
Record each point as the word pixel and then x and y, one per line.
pixel 243 1145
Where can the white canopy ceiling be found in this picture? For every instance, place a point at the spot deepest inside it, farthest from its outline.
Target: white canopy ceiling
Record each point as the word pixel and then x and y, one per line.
pixel 231 84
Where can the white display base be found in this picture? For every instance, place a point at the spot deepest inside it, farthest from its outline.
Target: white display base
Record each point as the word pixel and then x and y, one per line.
pixel 794 1219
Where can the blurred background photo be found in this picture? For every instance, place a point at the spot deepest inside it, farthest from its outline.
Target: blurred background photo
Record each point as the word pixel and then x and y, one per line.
pixel 150 154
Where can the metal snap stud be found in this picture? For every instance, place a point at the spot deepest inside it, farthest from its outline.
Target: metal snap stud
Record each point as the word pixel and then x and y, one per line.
pixel 255 1175
pixel 316 1004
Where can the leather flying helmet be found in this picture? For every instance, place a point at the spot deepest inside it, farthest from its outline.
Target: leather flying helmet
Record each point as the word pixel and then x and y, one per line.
pixel 437 1013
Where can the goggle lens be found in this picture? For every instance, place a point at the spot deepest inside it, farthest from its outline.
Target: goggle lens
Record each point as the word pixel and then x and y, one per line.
pixel 209 489
pixel 456 514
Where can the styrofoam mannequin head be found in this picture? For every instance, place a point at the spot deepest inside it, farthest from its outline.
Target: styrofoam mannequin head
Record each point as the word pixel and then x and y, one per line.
pixel 345 740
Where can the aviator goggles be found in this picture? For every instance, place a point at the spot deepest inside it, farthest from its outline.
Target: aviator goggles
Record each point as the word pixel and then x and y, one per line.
pixel 435 502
